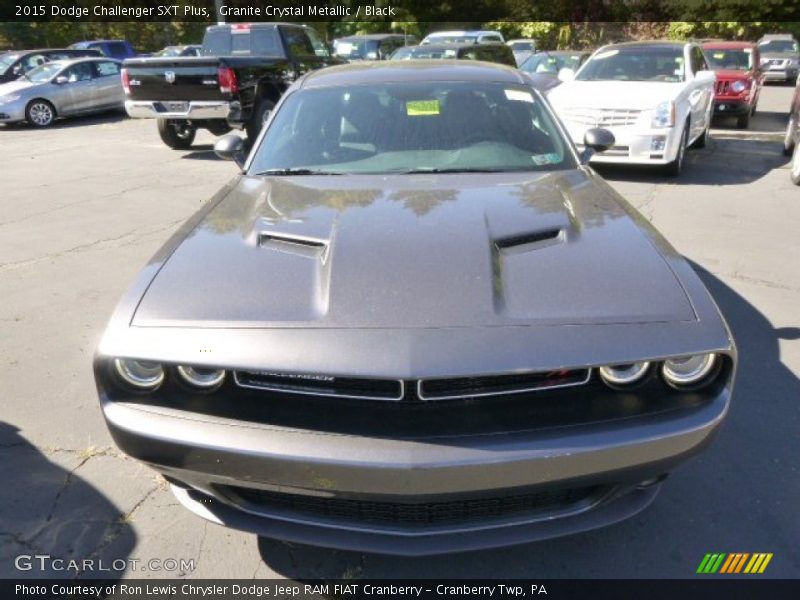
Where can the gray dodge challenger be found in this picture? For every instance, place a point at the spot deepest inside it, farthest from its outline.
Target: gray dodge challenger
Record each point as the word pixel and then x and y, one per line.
pixel 416 322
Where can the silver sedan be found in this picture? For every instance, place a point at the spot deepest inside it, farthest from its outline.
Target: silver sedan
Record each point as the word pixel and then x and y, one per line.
pixel 62 89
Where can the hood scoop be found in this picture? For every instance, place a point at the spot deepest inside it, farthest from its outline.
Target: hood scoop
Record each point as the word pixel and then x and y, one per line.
pixel 294 244
pixel 525 242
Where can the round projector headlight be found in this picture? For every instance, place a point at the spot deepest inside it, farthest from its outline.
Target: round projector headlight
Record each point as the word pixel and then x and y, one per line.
pixel 202 378
pixel 141 374
pixel 738 86
pixel 627 374
pixel 688 370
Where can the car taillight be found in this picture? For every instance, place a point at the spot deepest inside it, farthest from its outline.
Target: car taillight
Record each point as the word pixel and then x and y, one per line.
pixel 126 82
pixel 227 80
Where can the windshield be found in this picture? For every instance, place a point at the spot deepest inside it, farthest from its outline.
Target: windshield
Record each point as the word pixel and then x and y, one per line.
pixel 635 64
pixel 737 60
pixel 412 127
pixel 6 61
pixel 522 46
pixel 545 62
pixel 424 52
pixel 779 46
pixel 44 72
pixel 354 48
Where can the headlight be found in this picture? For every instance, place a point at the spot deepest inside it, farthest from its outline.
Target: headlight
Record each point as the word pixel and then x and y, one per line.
pixel 143 375
pixel 664 115
pixel 622 375
pixel 688 370
pixel 202 378
pixel 7 99
pixel 738 86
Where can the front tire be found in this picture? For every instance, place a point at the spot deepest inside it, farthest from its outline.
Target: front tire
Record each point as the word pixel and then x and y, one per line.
pixel 178 135
pixel 794 172
pixel 40 113
pixel 674 168
pixel 788 138
pixel 743 121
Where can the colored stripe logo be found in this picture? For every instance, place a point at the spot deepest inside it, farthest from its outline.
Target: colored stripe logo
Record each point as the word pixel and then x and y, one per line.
pixel 737 562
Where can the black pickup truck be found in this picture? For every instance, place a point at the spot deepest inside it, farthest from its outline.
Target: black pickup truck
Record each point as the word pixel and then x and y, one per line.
pixel 241 73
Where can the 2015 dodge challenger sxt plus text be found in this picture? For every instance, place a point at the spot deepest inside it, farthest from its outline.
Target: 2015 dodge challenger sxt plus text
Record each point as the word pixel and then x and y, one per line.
pixel 417 322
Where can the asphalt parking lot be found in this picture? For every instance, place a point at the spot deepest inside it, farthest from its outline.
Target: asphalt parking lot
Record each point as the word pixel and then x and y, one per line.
pixel 83 207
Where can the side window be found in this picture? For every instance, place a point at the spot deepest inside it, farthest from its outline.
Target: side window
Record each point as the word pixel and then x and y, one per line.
pixel 33 61
pixel 696 60
pixel 297 42
pixel 701 60
pixel 79 72
pixel 320 47
pixel 106 68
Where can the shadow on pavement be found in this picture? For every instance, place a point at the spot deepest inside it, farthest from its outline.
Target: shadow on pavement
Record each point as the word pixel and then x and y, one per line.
pixel 46 509
pixel 739 495
pixel 201 152
pixel 761 122
pixel 724 161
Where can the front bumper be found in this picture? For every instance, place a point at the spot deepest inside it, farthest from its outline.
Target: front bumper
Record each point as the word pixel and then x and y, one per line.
pixel 783 74
pixel 195 110
pixel 206 457
pixel 634 145
pixel 12 112
pixel 731 107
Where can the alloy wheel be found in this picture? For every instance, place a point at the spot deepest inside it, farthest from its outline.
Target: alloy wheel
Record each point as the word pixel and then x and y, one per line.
pixel 41 114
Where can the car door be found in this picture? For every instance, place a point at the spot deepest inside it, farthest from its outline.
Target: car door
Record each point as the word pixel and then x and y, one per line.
pixel 76 93
pixel 699 93
pixel 107 85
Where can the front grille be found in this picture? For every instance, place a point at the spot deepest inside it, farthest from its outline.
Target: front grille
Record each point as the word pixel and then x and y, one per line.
pixel 603 117
pixel 321 385
pixel 723 87
pixel 616 151
pixel 441 389
pixel 417 514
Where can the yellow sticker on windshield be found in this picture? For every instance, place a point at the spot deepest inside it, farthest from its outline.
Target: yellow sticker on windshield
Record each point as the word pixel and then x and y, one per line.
pixel 420 108
pixel 719 55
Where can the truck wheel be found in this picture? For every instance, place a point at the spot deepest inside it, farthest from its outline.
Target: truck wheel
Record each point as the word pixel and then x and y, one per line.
pixel 178 135
pixel 674 168
pixel 743 121
pixel 40 113
pixel 260 116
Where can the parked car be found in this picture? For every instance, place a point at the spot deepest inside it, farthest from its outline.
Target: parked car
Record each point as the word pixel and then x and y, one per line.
pixel 780 57
pixel 62 88
pixel 552 61
pixel 522 49
pixel 185 50
pixel 463 37
pixel 657 98
pixel 737 66
pixel 497 53
pixel 301 360
pixel 15 64
pixel 791 140
pixel 374 46
pixel 244 69
pixel 116 49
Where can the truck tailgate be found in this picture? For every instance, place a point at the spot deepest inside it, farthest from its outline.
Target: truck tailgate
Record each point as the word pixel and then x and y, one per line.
pixel 174 79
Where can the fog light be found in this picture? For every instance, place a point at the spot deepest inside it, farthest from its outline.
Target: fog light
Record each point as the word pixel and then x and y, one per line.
pixel 200 377
pixel 658 143
pixel 141 374
pixel 622 375
pixel 689 371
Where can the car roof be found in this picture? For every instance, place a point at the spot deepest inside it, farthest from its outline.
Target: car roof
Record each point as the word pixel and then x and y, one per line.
pixel 728 45
pixel 776 36
pixel 74 61
pixel 462 32
pixel 560 52
pixel 374 36
pixel 455 46
pixel 647 44
pixel 411 71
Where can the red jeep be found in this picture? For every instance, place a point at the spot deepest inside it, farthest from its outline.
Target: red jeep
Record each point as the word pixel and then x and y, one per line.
pixel 739 79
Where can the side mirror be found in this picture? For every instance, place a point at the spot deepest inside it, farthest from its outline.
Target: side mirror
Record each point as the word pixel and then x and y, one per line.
pixel 596 140
pixel 231 147
pixel 706 76
pixel 61 80
pixel 565 74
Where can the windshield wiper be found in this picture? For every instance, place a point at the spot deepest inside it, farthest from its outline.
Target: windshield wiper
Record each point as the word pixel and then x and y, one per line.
pixel 291 171
pixel 450 170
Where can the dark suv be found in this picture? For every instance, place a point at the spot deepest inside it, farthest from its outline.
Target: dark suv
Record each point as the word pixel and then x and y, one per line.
pixel 14 65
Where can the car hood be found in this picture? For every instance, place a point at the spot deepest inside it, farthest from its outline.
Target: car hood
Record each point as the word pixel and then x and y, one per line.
pixel 638 95
pixel 732 74
pixel 779 55
pixel 15 87
pixel 409 251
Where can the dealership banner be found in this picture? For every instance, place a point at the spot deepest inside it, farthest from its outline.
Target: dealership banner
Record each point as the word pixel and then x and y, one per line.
pixel 393 11
pixel 423 589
